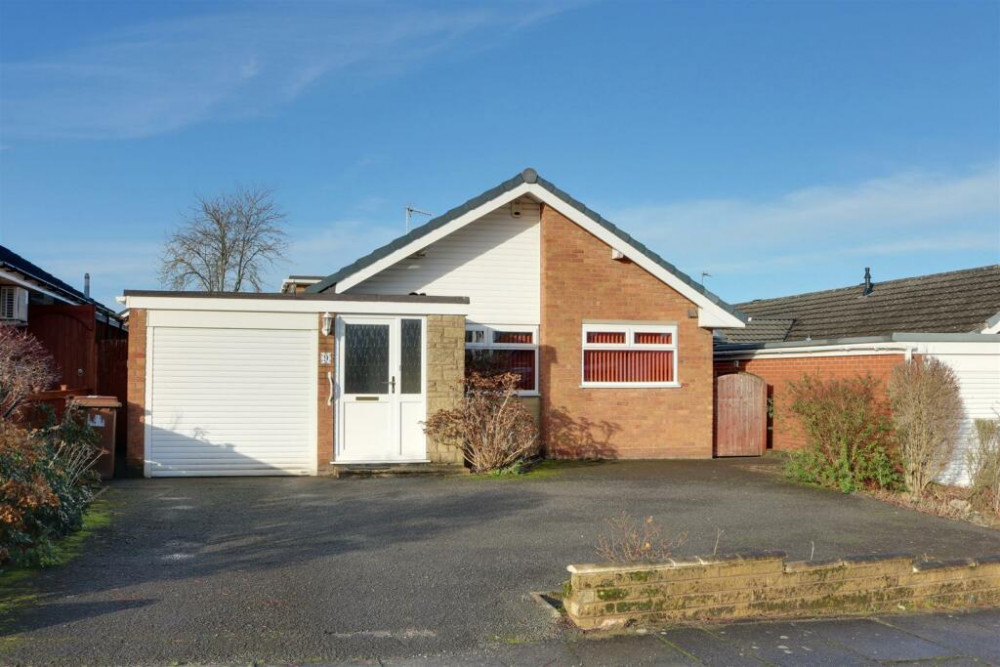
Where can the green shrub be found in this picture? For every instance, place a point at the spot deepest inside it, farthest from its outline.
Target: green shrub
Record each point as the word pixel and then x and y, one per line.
pixel 849 438
pixel 47 485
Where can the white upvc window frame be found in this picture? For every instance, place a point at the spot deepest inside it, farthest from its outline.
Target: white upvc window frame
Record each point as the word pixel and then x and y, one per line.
pixel 486 343
pixel 629 330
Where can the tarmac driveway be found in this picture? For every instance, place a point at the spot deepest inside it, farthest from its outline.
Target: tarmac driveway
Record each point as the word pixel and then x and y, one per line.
pixel 315 569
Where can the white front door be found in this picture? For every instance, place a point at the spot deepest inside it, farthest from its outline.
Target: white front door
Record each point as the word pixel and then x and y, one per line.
pixel 381 400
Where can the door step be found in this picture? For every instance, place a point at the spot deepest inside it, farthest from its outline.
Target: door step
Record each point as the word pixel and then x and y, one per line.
pixel 397 469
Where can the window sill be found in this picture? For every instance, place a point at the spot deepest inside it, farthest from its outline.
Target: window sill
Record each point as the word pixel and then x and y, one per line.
pixel 528 394
pixel 630 385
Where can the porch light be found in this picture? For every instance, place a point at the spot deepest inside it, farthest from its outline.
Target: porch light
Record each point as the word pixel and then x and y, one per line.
pixel 327 323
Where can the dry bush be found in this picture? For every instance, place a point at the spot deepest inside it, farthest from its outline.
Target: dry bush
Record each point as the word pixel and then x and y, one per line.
pixel 849 441
pixel 983 459
pixel 493 426
pixel 46 485
pixel 927 414
pixel 626 541
pixel 25 368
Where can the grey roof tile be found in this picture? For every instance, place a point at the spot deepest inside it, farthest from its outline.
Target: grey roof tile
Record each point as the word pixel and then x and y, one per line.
pixel 527 176
pixel 758 330
pixel 953 302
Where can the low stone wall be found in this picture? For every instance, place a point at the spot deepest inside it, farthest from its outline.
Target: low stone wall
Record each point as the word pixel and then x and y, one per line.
pixel 765 585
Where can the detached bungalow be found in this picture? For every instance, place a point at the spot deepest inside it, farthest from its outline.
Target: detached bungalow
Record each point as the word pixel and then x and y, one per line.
pixel 613 346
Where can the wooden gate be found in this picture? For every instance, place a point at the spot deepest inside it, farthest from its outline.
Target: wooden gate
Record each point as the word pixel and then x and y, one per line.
pixel 740 415
pixel 112 380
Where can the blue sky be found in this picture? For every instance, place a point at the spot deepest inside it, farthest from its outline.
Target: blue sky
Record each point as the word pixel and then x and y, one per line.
pixel 779 146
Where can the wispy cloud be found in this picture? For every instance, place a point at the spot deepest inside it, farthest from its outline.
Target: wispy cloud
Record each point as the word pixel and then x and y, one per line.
pixel 906 213
pixel 133 263
pixel 325 248
pixel 112 265
pixel 163 76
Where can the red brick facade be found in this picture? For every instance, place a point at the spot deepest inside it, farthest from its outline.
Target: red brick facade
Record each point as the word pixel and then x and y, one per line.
pixel 324 411
pixel 135 410
pixel 778 371
pixel 580 280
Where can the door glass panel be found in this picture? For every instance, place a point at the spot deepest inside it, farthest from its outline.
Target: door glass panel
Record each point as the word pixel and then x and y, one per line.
pixel 411 352
pixel 366 358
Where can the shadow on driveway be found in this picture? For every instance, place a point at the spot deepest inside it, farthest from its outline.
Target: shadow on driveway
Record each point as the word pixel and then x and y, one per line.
pixel 306 569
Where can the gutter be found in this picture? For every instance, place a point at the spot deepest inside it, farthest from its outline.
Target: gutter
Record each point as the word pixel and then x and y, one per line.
pixel 905 343
pixel 907 349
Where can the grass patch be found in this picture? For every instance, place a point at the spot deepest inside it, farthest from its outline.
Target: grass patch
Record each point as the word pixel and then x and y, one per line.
pixel 97 518
pixel 17 585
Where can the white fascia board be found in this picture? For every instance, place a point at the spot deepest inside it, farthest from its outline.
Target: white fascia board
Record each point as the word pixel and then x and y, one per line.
pixel 710 315
pixel 428 239
pixel 992 325
pixel 821 351
pixel 21 281
pixel 294 306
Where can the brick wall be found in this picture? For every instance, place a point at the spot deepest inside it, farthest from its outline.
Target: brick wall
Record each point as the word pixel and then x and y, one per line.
pixel 765 585
pixel 135 409
pixel 581 281
pixel 533 404
pixel 445 370
pixel 778 371
pixel 324 410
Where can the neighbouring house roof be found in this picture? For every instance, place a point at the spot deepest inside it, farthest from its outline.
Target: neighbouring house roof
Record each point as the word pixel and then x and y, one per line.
pixel 759 331
pixel 954 302
pixel 291 282
pixel 544 190
pixel 45 280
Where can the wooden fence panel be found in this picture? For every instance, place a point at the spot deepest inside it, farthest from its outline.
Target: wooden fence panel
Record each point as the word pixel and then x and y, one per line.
pixel 67 332
pixel 112 379
pixel 740 415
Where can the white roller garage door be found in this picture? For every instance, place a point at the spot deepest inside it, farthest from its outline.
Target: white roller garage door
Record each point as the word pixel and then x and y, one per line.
pixel 231 401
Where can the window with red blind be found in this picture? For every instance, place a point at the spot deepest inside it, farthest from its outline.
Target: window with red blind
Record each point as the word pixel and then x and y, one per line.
pixel 499 349
pixel 637 355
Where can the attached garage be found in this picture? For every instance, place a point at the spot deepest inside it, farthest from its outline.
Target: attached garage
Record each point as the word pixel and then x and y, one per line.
pixel 232 401
pixel 263 384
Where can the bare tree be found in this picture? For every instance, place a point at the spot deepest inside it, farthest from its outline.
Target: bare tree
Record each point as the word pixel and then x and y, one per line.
pixel 226 243
pixel 26 367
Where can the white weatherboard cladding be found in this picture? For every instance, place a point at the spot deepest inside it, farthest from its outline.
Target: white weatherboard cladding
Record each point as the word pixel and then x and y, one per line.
pixel 231 401
pixel 495 261
pixel 977 366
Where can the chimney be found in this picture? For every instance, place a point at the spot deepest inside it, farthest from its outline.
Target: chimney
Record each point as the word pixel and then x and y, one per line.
pixel 868 281
pixel 86 285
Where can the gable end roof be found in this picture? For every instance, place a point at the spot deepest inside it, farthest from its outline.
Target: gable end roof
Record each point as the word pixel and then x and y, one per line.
pixel 531 177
